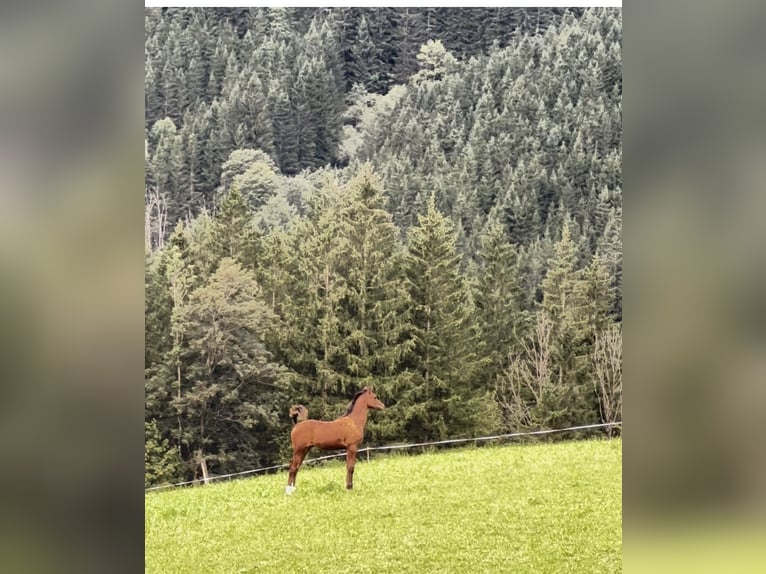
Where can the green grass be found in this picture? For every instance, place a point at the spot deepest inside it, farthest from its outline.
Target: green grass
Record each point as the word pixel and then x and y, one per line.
pixel 535 508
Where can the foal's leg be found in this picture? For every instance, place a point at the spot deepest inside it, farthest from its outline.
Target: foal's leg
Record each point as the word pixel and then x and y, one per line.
pixel 350 463
pixel 295 464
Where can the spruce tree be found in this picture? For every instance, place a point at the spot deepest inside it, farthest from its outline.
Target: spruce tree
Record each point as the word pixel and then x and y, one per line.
pixel 304 90
pixel 363 66
pixel 500 304
pixel 374 307
pixel 310 301
pixel 234 231
pixel 286 144
pixel 254 105
pixel 564 307
pixel 441 396
pixel 597 297
pixel 166 164
pixel 166 373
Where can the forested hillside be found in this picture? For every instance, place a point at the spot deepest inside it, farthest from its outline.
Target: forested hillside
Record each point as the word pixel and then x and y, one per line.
pixel 426 200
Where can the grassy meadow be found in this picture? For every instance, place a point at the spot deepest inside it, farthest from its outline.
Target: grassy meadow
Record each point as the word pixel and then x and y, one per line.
pixel 537 508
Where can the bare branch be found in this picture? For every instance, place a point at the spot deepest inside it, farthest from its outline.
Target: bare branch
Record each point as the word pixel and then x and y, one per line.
pixel 527 381
pixel 607 369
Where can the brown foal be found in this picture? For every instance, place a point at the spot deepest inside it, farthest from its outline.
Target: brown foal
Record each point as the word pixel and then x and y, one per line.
pixel 345 432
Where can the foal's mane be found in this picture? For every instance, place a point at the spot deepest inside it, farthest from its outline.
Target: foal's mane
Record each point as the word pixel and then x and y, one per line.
pixel 353 401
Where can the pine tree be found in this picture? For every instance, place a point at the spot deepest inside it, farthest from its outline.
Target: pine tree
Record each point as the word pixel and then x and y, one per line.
pixel 411 35
pixel 174 278
pixel 374 306
pixel 166 164
pixel 440 397
pixel 190 176
pixel 234 233
pixel 500 304
pixel 597 296
pixel 610 250
pixel 254 107
pixel 325 97
pixel 363 67
pixel 217 69
pixel 157 336
pixel 310 300
pixel 273 274
pixel 336 283
pixel 286 145
pixel 561 281
pixel 213 149
pixel 156 313
pixel 304 90
pixel 195 76
pixel 563 305
pixel 173 77
pixel 152 101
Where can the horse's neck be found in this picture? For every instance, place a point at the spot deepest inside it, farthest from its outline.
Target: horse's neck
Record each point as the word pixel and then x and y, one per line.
pixel 359 415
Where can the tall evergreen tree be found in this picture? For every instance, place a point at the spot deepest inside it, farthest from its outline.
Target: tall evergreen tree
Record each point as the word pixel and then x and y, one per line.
pixel 500 304
pixel 234 231
pixel 259 133
pixel 166 165
pixel 166 373
pixel 441 396
pixel 286 144
pixel 597 297
pixel 374 308
pixel 310 300
pixel 363 69
pixel 563 305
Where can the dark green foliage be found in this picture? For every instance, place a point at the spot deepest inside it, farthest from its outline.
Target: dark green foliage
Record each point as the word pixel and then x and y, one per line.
pixel 162 463
pixel 234 232
pixel 428 200
pixel 279 75
pixel 575 302
pixel 502 307
pixel 337 283
pixel 231 391
pixel 441 396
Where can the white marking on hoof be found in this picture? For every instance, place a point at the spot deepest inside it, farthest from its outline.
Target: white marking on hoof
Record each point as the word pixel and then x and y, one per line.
pixel 289 489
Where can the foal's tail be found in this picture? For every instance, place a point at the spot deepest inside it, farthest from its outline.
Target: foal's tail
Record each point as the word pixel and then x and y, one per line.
pixel 298 413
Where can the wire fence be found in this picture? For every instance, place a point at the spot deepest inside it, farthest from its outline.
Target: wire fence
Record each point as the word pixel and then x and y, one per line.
pixel 384 448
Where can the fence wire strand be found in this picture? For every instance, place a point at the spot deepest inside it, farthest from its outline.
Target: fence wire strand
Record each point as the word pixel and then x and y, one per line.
pixel 389 447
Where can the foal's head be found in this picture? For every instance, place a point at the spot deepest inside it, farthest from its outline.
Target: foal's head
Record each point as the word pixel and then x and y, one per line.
pixel 373 402
pixel 367 398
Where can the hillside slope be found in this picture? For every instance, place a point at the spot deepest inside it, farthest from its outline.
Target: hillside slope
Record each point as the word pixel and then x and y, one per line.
pixel 536 508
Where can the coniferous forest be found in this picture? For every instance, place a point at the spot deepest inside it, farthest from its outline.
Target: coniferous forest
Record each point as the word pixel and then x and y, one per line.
pixel 426 200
